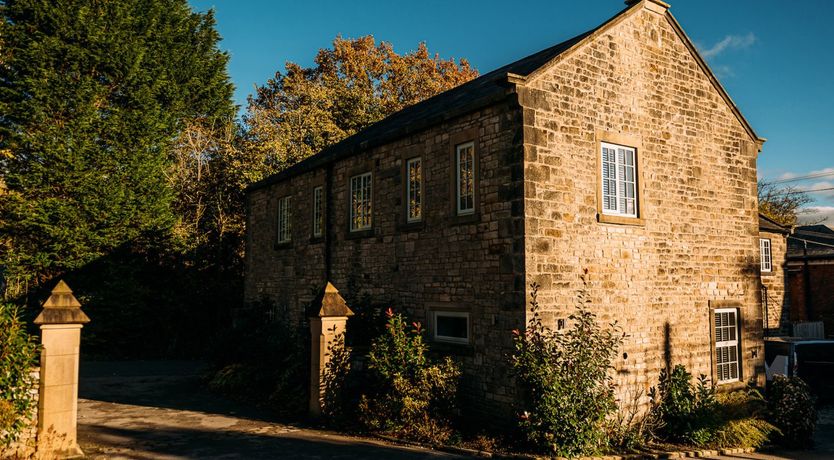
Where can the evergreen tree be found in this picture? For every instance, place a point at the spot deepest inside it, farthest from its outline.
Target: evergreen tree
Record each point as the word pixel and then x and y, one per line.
pixel 92 98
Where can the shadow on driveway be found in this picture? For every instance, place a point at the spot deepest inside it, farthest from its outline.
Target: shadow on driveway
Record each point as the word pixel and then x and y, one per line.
pixel 143 410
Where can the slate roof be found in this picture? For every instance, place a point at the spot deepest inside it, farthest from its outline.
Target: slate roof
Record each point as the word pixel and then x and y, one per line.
pixel 477 93
pixel 819 239
pixel 768 225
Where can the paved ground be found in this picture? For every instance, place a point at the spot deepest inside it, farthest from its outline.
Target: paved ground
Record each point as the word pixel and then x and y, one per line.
pixel 158 410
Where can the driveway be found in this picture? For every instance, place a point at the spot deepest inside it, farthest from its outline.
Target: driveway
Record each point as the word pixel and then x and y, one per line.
pixel 159 410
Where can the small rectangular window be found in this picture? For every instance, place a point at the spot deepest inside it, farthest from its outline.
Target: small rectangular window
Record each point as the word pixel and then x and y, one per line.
pixel 318 211
pixel 284 233
pixel 465 159
pixel 450 326
pixel 619 180
pixel 726 345
pixel 414 189
pixel 767 259
pixel 360 202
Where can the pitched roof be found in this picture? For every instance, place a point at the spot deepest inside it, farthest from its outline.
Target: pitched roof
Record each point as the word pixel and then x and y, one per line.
pixel 769 225
pixel 480 92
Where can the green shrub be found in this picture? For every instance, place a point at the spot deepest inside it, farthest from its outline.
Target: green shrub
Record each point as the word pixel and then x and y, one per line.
pixel 688 412
pixel 263 360
pixel 412 397
pixel 17 357
pixel 567 379
pixel 694 414
pixel 791 408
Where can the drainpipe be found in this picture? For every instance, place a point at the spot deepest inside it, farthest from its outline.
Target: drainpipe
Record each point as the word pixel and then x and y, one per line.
pixel 328 227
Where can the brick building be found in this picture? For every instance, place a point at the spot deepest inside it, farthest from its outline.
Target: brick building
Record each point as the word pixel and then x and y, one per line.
pixel 617 151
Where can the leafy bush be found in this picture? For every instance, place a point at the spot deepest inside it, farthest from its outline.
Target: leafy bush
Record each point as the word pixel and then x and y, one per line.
pixel 792 410
pixel 17 357
pixel 687 411
pixel 412 398
pixel 263 359
pixel 694 414
pixel 567 379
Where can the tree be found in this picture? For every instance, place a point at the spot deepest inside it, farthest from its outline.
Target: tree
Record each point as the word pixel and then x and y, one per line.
pixel 92 98
pixel 782 204
pixel 356 83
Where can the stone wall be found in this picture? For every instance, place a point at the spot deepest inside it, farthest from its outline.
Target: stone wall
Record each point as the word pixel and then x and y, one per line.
pixel 470 263
pixel 777 303
pixel 695 243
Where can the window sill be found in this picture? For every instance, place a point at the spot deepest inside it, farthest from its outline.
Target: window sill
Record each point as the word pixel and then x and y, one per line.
pixel 766 274
pixel 359 234
pixel 473 218
pixel 316 239
pixel 284 245
pixel 722 387
pixel 620 220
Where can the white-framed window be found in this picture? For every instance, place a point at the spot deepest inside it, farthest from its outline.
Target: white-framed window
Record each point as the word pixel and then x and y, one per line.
pixel 318 211
pixel 727 359
pixel 284 233
pixel 360 202
pixel 767 258
pixel 619 180
pixel 465 184
pixel 414 189
pixel 450 326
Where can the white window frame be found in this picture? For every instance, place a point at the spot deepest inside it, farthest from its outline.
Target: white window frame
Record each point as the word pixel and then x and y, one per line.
pixel 361 190
pixel 616 172
pixel 284 222
pixel 414 187
pixel 462 211
pixel 729 343
pixel 450 314
pixel 765 249
pixel 318 211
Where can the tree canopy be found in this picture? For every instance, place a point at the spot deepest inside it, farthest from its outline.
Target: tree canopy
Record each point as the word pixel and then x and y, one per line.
pixel 92 98
pixel 302 110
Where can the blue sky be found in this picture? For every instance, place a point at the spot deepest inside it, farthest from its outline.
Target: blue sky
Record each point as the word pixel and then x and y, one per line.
pixel 775 58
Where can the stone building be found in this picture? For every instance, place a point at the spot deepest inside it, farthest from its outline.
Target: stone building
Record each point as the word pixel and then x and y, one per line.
pixel 617 151
pixel 773 247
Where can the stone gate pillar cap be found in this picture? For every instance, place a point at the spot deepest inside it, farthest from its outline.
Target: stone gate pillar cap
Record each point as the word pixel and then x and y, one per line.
pixel 62 308
pixel 329 303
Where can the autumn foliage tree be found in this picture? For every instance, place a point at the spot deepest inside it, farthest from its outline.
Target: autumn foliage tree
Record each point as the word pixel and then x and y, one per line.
pixel 302 110
pixel 782 204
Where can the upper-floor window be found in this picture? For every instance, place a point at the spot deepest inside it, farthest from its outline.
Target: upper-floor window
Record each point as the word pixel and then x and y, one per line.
pixel 360 202
pixel 619 180
pixel 727 360
pixel 414 189
pixel 284 233
pixel 318 211
pixel 766 258
pixel 465 195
